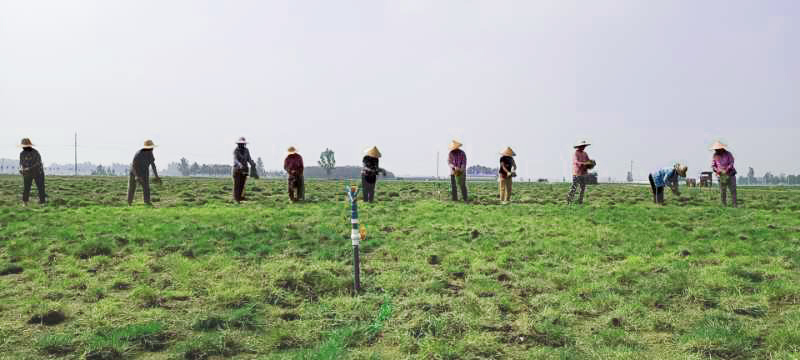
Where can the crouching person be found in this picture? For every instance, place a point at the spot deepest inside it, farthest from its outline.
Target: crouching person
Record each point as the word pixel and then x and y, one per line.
pixel 294 168
pixel 666 177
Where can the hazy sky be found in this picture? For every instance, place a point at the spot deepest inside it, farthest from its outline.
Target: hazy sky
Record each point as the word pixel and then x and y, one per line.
pixel 649 81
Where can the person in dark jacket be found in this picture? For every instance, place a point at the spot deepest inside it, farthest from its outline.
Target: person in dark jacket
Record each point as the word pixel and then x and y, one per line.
pixel 369 173
pixel 32 170
pixel 508 170
pixel 293 165
pixel 241 160
pixel 140 172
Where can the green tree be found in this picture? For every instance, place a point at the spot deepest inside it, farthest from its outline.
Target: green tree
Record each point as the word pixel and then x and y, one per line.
pixel 327 161
pixel 195 169
pixel 260 166
pixel 183 167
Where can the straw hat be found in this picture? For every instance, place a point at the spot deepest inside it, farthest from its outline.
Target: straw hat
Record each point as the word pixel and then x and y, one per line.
pixel 148 144
pixel 242 140
pixel 681 169
pixel 508 152
pixel 25 143
pixel 373 152
pixel 581 143
pixel 454 145
pixel 291 150
pixel 718 146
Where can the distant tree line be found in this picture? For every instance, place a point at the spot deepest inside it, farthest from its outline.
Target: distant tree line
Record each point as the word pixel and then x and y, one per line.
pixel 767 179
pixel 480 170
pixel 185 168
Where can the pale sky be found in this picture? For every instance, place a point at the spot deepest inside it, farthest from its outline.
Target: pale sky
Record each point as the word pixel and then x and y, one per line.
pixel 650 81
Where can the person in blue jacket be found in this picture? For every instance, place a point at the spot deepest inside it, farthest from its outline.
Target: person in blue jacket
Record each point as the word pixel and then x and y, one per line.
pixel 666 177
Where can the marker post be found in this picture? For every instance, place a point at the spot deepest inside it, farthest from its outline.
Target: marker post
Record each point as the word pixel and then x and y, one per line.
pixel 355 236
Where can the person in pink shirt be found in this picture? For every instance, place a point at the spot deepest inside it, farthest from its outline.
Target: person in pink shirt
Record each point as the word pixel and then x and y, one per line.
pixel 722 165
pixel 580 171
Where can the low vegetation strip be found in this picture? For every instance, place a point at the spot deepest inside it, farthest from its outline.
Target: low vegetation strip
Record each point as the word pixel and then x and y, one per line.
pixel 197 277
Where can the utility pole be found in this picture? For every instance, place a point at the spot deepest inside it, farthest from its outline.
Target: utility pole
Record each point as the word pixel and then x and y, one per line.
pixel 76 154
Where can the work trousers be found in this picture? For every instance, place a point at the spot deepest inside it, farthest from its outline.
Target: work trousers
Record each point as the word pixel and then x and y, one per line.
pixel 577 181
pixel 724 191
pixel 368 189
pixel 505 188
pixel 658 191
pixel 145 182
pixel 457 182
pixel 297 188
pixel 27 182
pixel 239 180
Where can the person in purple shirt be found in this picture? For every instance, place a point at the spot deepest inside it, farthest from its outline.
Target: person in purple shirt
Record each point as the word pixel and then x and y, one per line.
pixel 457 160
pixel 722 165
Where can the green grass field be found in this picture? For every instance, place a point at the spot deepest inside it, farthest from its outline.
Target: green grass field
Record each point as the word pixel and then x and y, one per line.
pixel 196 277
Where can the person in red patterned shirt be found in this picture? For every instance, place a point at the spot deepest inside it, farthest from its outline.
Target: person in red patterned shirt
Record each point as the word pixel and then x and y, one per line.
pixel 294 168
pixel 580 170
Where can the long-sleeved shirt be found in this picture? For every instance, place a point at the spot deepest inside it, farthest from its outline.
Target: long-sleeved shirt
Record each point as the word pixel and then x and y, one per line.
pixel 723 162
pixel 457 161
pixel 578 169
pixel 664 177
pixel 241 159
pixel 371 168
pixel 293 165
pixel 507 162
pixel 30 161
pixel 141 161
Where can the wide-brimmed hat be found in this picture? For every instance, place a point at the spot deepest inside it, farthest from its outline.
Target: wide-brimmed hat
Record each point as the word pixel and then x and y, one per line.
pixel 242 140
pixel 454 145
pixel 508 152
pixel 25 143
pixel 718 146
pixel 681 169
pixel 291 150
pixel 373 152
pixel 582 143
pixel 148 144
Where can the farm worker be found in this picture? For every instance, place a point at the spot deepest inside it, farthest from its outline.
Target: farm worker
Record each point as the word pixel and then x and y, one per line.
pixel 458 170
pixel 241 160
pixel 722 164
pixel 294 168
pixel 508 168
pixel 580 171
pixel 666 177
pixel 141 174
pixel 32 170
pixel 370 171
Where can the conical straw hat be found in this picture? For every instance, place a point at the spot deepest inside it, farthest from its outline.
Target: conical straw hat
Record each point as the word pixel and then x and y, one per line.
pixel 718 146
pixel 454 145
pixel 291 150
pixel 373 152
pixel 681 169
pixel 508 152
pixel 582 143
pixel 148 144
pixel 25 143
